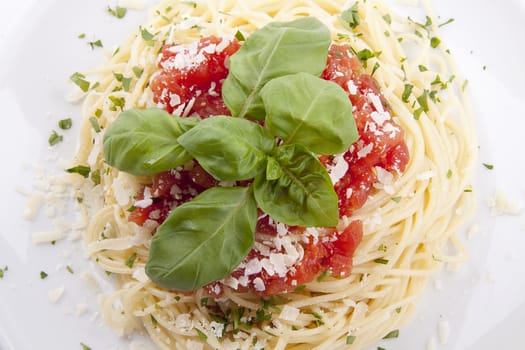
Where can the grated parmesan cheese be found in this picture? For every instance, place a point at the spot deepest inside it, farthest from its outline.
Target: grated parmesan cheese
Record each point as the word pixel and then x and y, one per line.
pixel 443 331
pixel 55 294
pixel 339 169
pixel 46 237
pixel 500 204
pixel 33 205
pixel 258 284
pixel 289 313
pixel 217 329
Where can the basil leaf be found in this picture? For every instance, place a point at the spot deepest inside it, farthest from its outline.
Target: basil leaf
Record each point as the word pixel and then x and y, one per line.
pixel 302 195
pixel 229 148
pixel 203 240
pixel 277 49
pixel 350 18
pixel 144 142
pixel 308 110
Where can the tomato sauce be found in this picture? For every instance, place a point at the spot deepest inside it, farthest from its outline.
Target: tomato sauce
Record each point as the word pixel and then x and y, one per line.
pixel 189 83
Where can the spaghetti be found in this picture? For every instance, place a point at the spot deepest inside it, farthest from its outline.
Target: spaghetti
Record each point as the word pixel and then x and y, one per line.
pixel 408 228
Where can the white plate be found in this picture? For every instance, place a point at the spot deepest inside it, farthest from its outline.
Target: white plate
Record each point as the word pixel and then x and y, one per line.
pixel 483 303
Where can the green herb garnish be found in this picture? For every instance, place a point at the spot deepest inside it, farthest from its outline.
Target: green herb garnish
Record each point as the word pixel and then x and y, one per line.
pixel 407 92
pixel 94 123
pixel 350 339
pixel 488 166
pixel 54 138
pixel 131 260
pixel 65 124
pixel 381 261
pixel 80 169
pixel 43 275
pixel 118 11
pixel 80 80
pixel 310 116
pixel 146 35
pixel 137 70
pixel 2 271
pixel 239 36
pixel 434 42
pixel 392 334
pixel 70 269
pixel 397 199
pixel 84 346
pixel 350 17
pixel 201 334
pixel 96 43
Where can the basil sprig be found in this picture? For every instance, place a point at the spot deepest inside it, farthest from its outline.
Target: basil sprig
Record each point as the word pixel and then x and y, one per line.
pixel 273 77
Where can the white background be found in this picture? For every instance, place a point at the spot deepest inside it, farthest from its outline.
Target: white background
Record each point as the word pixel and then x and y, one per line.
pixel 483 302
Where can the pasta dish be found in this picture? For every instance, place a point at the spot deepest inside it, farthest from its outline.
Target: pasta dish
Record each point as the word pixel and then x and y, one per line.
pixel 274 175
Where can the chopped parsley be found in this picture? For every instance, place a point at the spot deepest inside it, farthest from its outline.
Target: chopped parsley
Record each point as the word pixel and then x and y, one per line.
pixel 80 169
pixel 54 138
pixel 137 70
pixel 434 42
pixel 96 43
pixel 387 18
pixel 95 124
pixel 376 67
pixel 65 124
pixel 131 260
pixel 323 275
pixel 118 12
pixel 84 346
pixel 202 335
pixel 154 321
pixel 126 82
pixel 118 102
pixel 397 199
pixel 407 92
pixel 392 334
pixel 317 315
pixel 422 68
pixel 382 248
pixel 95 177
pixel 70 269
pixel 365 54
pixel 422 100
pixel 81 35
pixel 488 166
pixel 450 20
pixel 398 309
pixel 381 261
pixel 2 271
pixel 43 275
pixel 449 173
pixel 147 36
pixel 351 16
pixel 239 36
pixel 79 79
pixel 300 288
pixel 350 339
